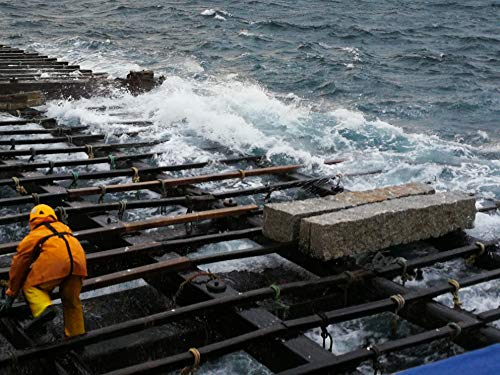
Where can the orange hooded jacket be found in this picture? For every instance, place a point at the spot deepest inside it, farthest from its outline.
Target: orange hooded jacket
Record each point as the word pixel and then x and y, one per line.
pixel 54 261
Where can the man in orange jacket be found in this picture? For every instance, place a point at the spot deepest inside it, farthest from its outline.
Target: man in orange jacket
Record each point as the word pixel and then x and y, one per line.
pixel 49 256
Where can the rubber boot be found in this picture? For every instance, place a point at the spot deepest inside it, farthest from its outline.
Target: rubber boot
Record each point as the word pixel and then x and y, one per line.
pixel 48 315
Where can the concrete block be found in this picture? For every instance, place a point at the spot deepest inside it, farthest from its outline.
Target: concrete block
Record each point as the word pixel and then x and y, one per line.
pixel 282 220
pixel 379 225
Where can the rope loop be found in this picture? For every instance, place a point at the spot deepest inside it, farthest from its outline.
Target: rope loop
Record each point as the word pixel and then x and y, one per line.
pixel 36 198
pixel 190 279
pixel 33 155
pixel 279 307
pixel 121 210
pixel 456 327
pixel 19 188
pixel 456 299
pixel 400 261
pixel 242 174
pixel 474 257
pixel 112 161
pixel 12 144
pixel 90 151
pixel 69 139
pixel 190 370
pixel 103 193
pixel 324 331
pixel 136 178
pixel 75 179
pixel 399 301
pixel 59 131
pixel 51 167
pixel 62 214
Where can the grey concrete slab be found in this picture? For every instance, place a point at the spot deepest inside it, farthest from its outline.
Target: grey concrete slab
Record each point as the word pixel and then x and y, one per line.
pixel 376 226
pixel 282 220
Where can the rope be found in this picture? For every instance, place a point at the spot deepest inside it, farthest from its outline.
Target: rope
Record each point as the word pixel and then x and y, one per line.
pixel 399 300
pixel 36 198
pixel 33 154
pixel 19 188
pixel 112 161
pixel 60 131
pixel 51 167
pixel 456 300
pixel 90 151
pixel 456 327
pixel 190 370
pixel 474 257
pixel 377 367
pixel 62 214
pixel 69 139
pixel 121 210
pixel 404 274
pixel 242 174
pixel 190 279
pixel 103 193
pixel 324 331
pixel 12 144
pixel 279 307
pixel 136 178
pixel 75 179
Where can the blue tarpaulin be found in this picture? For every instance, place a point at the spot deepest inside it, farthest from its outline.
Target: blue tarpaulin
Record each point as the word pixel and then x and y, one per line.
pixel 484 361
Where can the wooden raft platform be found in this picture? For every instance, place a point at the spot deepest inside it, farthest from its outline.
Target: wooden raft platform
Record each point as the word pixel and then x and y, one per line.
pixel 149 327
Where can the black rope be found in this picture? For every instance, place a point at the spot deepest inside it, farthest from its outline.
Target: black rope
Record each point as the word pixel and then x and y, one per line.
pixel 324 331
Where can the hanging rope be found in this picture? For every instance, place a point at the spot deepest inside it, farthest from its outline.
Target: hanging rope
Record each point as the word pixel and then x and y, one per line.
pixel 399 301
pixel 279 307
pixel 188 226
pixel 19 188
pixel 51 167
pixel 456 300
pixel 69 139
pixel 36 198
pixel 60 131
pixel 242 174
pixel 12 144
pixel 404 274
pixel 190 370
pixel 136 178
pixel 33 155
pixel 351 279
pixel 474 257
pixel 324 331
pixel 112 161
pixel 456 327
pixel 103 193
pixel 89 151
pixel 62 214
pixel 377 366
pixel 121 210
pixel 212 276
pixel 75 180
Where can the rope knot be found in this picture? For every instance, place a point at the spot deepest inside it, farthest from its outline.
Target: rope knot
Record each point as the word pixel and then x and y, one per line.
pixel 90 151
pixel 456 299
pixel 136 178
pixel 19 188
pixel 399 301
pixel 190 370
pixel 474 257
pixel 456 327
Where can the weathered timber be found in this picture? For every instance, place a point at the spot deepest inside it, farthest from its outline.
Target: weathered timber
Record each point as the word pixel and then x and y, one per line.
pixel 76 162
pixel 268 292
pixel 122 228
pixel 70 150
pixel 124 172
pixel 59 130
pixel 282 220
pixel 168 183
pixel 388 223
pixel 300 324
pixel 35 141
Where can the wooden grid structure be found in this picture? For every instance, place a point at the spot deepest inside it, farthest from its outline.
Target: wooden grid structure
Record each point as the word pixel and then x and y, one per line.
pixel 212 316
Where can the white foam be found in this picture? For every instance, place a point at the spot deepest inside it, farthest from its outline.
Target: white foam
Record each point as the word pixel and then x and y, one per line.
pixel 208 12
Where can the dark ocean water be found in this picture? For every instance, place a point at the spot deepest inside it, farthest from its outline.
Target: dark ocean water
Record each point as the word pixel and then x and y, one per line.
pixel 409 87
pixel 426 65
